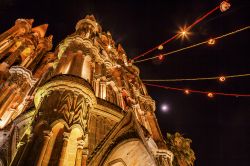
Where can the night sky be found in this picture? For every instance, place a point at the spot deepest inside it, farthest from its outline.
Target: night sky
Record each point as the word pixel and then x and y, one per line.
pixel 219 126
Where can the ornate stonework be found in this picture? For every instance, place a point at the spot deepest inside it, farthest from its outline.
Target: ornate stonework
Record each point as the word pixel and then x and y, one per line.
pixel 89 105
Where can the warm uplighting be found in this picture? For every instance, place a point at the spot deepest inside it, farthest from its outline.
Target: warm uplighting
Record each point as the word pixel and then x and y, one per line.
pixel 222 79
pixel 211 42
pixel 160 57
pixel 187 91
pixel 109 47
pixel 210 95
pixel 160 47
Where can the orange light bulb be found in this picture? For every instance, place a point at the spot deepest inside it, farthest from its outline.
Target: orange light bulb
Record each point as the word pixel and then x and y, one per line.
pixel 160 57
pixel 222 79
pixel 160 47
pixel 211 42
pixel 210 95
pixel 187 92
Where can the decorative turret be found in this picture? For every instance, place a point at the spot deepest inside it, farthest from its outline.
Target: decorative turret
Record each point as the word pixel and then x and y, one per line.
pixel 18 59
pixel 91 108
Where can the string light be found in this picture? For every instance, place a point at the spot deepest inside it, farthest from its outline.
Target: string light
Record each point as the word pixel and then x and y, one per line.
pixel 184 33
pixel 209 94
pixel 187 91
pixel 211 42
pixel 196 45
pixel 221 78
pixel 160 47
pixel 178 34
pixel 224 6
pixel 160 57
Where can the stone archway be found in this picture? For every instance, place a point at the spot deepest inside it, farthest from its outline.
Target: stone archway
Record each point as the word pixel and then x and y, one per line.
pixel 130 153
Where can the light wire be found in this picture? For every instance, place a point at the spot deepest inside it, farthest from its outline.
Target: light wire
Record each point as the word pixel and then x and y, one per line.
pixel 195 79
pixel 195 45
pixel 198 91
pixel 177 35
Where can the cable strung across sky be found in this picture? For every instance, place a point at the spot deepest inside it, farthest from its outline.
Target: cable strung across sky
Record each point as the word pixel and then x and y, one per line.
pixel 220 78
pixel 195 45
pixel 208 93
pixel 223 7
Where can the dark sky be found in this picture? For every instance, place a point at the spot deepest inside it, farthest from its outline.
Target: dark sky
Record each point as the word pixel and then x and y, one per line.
pixel 219 127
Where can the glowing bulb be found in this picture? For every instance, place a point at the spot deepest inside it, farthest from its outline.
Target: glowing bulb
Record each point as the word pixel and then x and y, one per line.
pixel 211 42
pixel 222 79
pixel 210 95
pixel 184 33
pixel 109 47
pixel 224 6
pixel 160 57
pixel 187 91
pixel 160 47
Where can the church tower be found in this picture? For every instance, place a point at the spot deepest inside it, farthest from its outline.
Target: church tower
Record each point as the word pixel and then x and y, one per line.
pixel 83 104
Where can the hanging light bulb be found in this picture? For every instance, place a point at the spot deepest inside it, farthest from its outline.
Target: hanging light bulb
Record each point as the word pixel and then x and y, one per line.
pixel 222 79
pixel 109 47
pixel 184 33
pixel 210 94
pixel 160 47
pixel 160 57
pixel 224 6
pixel 211 42
pixel 187 91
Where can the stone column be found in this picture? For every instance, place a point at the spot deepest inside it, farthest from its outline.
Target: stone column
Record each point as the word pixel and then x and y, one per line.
pixel 12 94
pixel 97 87
pixel 86 68
pixel 64 63
pixel 79 152
pixel 84 156
pixel 13 57
pixel 64 148
pixel 103 90
pixel 76 63
pixel 47 135
pixel 5 47
pixel 122 104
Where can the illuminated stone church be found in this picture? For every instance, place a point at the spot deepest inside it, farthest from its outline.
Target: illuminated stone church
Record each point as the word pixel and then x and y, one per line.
pixel 81 104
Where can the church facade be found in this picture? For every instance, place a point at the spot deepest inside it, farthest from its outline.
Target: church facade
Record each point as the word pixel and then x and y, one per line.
pixel 81 104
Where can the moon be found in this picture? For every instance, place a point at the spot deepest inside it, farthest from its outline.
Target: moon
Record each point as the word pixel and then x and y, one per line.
pixel 164 108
